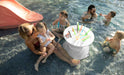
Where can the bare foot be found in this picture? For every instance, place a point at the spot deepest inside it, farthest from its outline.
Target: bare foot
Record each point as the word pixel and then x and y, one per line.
pixel 44 61
pixel 36 67
pixel 75 62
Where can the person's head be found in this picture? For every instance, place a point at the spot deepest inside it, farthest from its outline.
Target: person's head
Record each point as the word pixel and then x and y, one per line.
pixel 41 27
pixel 26 30
pixel 119 35
pixel 112 14
pixel 92 9
pixel 63 14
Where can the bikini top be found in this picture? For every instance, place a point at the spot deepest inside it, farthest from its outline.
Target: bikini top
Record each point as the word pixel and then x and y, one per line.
pixel 37 45
pixel 61 26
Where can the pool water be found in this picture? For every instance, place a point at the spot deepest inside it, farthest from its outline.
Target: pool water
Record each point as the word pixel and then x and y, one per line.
pixel 16 58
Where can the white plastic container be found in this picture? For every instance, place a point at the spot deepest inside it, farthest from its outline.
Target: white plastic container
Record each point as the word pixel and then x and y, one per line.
pixel 77 48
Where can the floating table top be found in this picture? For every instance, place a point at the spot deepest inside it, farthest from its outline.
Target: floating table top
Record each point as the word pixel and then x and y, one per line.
pixel 79 37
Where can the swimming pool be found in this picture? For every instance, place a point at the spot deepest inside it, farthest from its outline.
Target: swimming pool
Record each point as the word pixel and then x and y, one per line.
pixel 16 59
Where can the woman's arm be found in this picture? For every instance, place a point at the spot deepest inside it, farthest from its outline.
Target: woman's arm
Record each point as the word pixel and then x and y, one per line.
pixel 55 22
pixel 32 48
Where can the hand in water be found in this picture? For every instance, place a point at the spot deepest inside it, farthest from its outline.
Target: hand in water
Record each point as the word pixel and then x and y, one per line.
pixel 100 14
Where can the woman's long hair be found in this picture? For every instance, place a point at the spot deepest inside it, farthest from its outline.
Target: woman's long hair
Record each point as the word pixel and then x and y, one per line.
pixel 23 30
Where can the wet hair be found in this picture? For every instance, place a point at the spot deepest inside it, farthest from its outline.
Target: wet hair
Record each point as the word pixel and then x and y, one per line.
pixel 113 13
pixel 40 25
pixel 90 7
pixel 64 13
pixel 23 30
pixel 120 35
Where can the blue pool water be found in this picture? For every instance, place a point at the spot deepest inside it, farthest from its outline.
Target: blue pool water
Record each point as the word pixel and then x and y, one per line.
pixel 16 58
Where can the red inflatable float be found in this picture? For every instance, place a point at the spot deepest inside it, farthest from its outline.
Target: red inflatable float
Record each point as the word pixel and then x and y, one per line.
pixel 12 14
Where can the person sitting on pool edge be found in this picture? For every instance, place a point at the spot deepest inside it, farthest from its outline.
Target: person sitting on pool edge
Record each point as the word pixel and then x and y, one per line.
pixel 29 33
pixel 107 18
pixel 112 45
pixel 90 15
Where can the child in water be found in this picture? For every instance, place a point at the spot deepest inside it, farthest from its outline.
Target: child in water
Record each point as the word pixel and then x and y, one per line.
pixel 113 44
pixel 108 17
pixel 45 38
pixel 62 23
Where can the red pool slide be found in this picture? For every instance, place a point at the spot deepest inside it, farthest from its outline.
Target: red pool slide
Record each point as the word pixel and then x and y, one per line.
pixel 12 14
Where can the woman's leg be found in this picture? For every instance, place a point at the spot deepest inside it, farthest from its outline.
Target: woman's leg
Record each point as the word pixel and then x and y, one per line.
pixel 59 55
pixel 59 48
pixel 62 54
pixel 62 50
pixel 66 55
